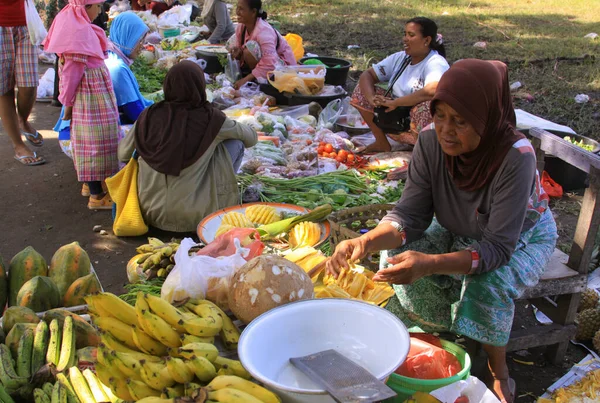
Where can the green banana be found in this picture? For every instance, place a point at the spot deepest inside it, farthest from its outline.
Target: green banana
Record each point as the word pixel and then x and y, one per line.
pixel 48 387
pixel 9 378
pixel 53 353
pixel 40 344
pixel 39 396
pixel 4 396
pixel 67 347
pixel 68 388
pixel 24 354
pixel 59 394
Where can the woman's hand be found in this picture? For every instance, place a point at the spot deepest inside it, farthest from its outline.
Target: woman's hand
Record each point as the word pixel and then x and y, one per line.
pixel 390 104
pixel 68 113
pixel 239 83
pixel 407 268
pixel 350 250
pixel 236 53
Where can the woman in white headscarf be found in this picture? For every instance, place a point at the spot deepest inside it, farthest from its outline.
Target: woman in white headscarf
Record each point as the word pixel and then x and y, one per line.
pixel 216 17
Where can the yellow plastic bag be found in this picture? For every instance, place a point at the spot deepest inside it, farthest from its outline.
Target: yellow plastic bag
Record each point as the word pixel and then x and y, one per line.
pixel 289 80
pixel 123 190
pixel 295 42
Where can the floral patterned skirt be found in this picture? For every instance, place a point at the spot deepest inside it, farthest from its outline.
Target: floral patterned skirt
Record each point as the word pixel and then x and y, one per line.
pixel 479 306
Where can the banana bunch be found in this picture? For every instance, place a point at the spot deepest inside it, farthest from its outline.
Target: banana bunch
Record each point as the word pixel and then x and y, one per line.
pixel 43 394
pixel 155 350
pixel 305 233
pixel 156 258
pixel 306 257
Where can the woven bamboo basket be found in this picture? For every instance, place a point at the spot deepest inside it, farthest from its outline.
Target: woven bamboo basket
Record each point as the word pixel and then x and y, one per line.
pixel 342 222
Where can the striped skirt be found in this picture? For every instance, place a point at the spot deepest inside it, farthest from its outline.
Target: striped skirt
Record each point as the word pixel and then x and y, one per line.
pixel 479 306
pixel 95 127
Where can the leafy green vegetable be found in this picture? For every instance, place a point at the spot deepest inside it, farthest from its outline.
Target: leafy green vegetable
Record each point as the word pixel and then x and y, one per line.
pixel 149 287
pixel 149 78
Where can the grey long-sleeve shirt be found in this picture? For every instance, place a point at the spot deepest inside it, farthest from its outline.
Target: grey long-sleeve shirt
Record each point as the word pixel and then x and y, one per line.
pixel 493 216
pixel 219 23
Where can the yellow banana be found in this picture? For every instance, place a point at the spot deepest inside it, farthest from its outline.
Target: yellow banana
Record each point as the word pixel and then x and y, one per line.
pixel 234 365
pixel 175 391
pixel 147 248
pixel 230 395
pixel 112 344
pixel 153 399
pixel 140 390
pixel 97 310
pixel 191 387
pixel 116 306
pixel 66 384
pixel 204 369
pixel 104 373
pixel 178 370
pixel 166 311
pixel 160 330
pixel 111 396
pixel 119 387
pixel 141 305
pixel 146 343
pixel 225 370
pixel 235 382
pixel 80 385
pixel 117 329
pixel 154 242
pixel 230 334
pixel 156 375
pixel 101 353
pixel 206 350
pixel 207 311
pixel 189 338
pixel 96 387
pixel 202 327
pixel 127 365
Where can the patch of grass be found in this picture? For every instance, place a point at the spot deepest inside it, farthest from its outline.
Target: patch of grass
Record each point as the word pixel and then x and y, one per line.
pixel 527 34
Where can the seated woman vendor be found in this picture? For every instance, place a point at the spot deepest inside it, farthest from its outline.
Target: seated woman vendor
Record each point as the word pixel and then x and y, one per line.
pixel 472 230
pixel 127 34
pixel 188 152
pixel 414 86
pixel 216 17
pixel 256 44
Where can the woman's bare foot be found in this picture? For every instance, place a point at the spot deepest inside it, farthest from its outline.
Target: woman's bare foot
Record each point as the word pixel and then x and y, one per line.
pixel 504 389
pixel 375 147
pixel 32 135
pixel 26 156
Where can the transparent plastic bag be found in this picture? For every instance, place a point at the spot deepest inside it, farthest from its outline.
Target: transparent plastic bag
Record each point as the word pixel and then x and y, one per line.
pixel 249 89
pixel 191 275
pixel 232 70
pixel 330 114
pixel 35 26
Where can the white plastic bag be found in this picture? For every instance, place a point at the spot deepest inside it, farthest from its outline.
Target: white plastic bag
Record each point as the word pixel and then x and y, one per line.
pixel 330 114
pixel 35 26
pixel 191 276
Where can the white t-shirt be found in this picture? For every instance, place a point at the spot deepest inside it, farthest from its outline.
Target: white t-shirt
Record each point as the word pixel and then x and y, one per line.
pixel 415 77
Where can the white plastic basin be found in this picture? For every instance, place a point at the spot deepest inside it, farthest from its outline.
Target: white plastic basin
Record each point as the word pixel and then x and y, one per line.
pixel 370 336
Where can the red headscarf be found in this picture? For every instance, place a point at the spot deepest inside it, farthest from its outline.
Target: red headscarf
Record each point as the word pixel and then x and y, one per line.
pixel 478 90
pixel 173 134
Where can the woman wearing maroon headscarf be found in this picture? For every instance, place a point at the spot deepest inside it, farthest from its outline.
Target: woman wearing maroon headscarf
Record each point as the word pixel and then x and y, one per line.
pixel 472 230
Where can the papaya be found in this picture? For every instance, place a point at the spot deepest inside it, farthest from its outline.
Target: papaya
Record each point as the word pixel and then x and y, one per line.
pixel 88 354
pixel 13 337
pixel 3 285
pixel 69 263
pixel 81 287
pixel 18 314
pixel 40 294
pixel 85 334
pixel 24 266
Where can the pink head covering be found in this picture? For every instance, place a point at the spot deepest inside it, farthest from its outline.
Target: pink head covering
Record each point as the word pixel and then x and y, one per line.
pixel 73 32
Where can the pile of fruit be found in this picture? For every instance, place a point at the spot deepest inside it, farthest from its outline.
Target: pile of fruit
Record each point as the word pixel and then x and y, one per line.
pixel 327 150
pixel 39 358
pixel 300 230
pixel 31 283
pixel 154 259
pixel 588 318
pixel 156 350
pixel 582 391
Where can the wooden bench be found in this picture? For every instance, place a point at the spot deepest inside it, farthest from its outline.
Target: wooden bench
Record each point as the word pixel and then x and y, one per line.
pixel 558 292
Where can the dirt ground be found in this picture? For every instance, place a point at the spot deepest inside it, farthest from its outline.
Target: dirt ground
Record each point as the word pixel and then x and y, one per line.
pixel 42 207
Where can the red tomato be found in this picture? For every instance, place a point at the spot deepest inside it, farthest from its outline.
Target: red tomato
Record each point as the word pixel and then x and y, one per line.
pixel 350 158
pixel 308 142
pixel 343 153
pixel 328 148
pixel 339 159
pixel 332 154
pixel 322 143
pixel 321 149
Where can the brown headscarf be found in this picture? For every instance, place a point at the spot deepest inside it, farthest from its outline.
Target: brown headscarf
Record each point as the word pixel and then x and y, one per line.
pixel 173 134
pixel 478 90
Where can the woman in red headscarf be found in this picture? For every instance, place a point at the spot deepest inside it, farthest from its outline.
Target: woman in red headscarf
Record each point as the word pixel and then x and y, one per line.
pixel 472 230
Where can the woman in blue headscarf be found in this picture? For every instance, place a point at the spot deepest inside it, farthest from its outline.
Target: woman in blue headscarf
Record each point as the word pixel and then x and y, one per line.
pixel 127 34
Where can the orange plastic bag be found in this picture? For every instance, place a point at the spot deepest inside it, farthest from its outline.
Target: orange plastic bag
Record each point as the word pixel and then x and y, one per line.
pixel 223 245
pixel 426 361
pixel 295 42
pixel 552 188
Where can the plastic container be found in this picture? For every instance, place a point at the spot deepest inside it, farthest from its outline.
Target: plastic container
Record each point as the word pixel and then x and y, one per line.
pixel 321 100
pixel 213 65
pixel 565 174
pixel 169 32
pixel 405 386
pixel 335 75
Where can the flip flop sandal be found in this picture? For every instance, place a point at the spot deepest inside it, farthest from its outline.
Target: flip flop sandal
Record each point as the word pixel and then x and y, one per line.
pixel 22 159
pixel 36 136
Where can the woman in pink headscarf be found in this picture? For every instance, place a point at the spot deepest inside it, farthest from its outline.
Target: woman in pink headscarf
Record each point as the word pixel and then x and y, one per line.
pixel 87 93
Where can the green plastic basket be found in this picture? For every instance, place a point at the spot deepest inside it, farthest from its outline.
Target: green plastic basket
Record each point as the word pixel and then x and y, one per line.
pixel 405 386
pixel 169 33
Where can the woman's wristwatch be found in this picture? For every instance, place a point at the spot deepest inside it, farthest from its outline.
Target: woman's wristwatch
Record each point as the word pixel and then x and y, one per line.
pixel 400 229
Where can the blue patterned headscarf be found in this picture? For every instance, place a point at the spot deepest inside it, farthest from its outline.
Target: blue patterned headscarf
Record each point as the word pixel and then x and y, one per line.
pixel 126 31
